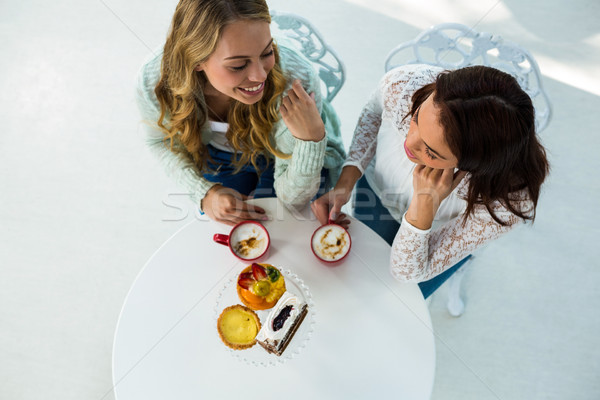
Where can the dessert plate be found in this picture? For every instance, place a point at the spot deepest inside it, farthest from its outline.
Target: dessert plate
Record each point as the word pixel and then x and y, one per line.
pixel 256 355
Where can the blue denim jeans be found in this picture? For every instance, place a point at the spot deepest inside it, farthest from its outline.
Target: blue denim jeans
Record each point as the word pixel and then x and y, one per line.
pixel 248 180
pixel 369 210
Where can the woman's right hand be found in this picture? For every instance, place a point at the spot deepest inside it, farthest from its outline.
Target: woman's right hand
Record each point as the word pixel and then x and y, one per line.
pixel 430 187
pixel 226 205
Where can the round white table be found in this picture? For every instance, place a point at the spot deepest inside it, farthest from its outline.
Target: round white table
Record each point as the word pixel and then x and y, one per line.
pixel 371 337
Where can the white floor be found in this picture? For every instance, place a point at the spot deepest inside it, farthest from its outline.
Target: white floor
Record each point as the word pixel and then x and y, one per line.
pixel 81 204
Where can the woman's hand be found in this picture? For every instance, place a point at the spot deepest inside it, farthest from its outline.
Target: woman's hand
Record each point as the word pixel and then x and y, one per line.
pixel 329 206
pixel 430 187
pixel 227 205
pixel 438 183
pixel 300 114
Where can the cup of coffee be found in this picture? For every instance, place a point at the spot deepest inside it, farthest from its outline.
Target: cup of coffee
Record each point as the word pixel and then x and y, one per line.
pixel 330 243
pixel 248 240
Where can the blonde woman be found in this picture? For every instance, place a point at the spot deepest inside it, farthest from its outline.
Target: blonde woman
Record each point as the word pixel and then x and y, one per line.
pixel 232 112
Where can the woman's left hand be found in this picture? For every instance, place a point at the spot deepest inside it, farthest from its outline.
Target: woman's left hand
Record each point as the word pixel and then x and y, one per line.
pixel 300 114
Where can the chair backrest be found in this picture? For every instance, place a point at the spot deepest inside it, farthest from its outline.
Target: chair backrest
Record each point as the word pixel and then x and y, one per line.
pixel 310 43
pixel 453 46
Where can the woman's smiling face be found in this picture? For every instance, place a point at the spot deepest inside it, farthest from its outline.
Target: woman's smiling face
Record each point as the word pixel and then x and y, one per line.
pixel 239 66
pixel 425 142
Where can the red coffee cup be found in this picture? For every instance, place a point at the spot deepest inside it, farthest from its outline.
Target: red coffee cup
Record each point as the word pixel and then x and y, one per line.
pixel 330 243
pixel 248 241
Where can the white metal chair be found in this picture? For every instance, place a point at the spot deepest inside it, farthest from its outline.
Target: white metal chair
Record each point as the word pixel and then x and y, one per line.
pixel 310 42
pixel 454 46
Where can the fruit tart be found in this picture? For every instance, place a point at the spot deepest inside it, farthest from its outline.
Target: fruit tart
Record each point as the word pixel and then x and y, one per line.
pixel 238 327
pixel 260 286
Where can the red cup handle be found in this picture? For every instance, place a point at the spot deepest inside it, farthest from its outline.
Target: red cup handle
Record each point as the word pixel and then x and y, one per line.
pixel 221 239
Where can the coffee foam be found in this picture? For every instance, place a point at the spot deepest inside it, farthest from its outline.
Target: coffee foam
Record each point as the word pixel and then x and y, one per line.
pixel 249 241
pixel 331 242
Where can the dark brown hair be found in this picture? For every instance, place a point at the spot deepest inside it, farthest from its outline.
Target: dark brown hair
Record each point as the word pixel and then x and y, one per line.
pixel 489 125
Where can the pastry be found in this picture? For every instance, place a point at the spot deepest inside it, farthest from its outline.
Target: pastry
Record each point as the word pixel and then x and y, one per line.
pixel 260 286
pixel 238 326
pixel 282 323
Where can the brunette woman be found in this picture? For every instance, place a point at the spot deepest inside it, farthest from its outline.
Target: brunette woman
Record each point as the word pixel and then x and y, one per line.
pixel 453 160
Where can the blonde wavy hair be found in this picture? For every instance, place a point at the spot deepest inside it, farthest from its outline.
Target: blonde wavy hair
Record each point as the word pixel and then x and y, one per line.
pixel 195 32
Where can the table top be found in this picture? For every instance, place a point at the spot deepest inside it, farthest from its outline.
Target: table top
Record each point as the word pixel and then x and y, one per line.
pixel 367 335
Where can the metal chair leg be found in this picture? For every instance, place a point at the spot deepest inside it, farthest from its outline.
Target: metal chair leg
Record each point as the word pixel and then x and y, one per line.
pixel 456 305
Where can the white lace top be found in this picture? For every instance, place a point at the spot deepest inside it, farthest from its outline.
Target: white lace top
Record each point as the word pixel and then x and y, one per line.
pixel 377 150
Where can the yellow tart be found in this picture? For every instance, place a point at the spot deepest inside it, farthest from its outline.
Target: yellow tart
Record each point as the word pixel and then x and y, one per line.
pixel 238 327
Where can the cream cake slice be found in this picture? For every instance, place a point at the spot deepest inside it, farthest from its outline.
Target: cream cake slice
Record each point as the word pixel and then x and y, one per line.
pixel 282 323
